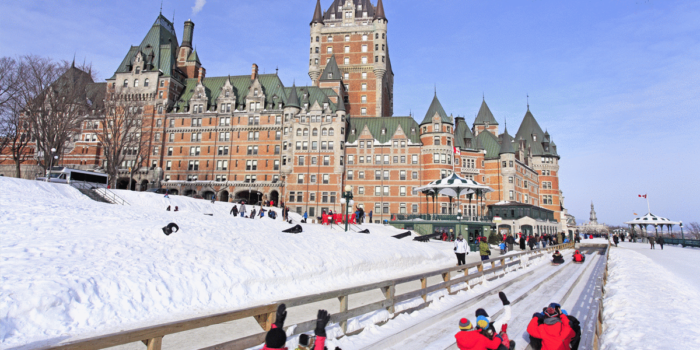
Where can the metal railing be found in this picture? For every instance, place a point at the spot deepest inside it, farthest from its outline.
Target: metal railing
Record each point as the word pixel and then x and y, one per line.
pixel 439 217
pixel 110 196
pixel 264 315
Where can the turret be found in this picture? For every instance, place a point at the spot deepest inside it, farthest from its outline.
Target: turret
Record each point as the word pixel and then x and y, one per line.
pixel 381 54
pixel 187 34
pixel 315 47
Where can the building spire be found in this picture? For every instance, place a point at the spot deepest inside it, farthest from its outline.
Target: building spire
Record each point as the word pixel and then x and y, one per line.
pixel 72 65
pixel 161 7
pixel 379 11
pixel 528 101
pixel 318 14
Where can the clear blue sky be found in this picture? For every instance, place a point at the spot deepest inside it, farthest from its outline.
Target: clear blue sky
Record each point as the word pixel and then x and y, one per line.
pixel 616 83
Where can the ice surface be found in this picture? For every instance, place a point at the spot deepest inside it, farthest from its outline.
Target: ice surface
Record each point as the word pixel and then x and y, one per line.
pixel 75 267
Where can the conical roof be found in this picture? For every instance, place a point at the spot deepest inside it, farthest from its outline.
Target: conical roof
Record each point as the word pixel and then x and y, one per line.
pixel 318 14
pixel 379 11
pixel 194 57
pixel 485 116
pixel 436 107
pixel 293 99
pixel 529 128
pixel 506 143
pixel 331 72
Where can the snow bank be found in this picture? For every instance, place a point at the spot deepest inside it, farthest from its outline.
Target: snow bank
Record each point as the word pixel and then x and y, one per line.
pixel 648 304
pixel 74 267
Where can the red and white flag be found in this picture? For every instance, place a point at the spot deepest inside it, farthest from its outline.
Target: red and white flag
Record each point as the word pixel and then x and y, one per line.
pixel 642 196
pixel 458 151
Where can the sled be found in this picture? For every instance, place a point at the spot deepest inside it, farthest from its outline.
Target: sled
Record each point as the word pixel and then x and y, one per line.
pixel 578 262
pixel 557 263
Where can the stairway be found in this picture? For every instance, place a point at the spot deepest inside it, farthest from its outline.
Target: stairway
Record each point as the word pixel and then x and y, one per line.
pixel 94 196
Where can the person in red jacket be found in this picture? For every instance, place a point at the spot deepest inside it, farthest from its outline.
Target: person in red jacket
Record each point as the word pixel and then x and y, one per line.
pixel 484 337
pixel 276 338
pixel 550 330
pixel 578 257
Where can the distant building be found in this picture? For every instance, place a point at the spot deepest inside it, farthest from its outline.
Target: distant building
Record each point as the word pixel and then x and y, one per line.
pixel 592 226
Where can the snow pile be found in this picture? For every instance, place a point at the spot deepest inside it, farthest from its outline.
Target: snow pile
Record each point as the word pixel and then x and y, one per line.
pixel 74 267
pixel 651 303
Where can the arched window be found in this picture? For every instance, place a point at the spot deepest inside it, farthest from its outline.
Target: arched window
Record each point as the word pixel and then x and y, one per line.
pixel 136 83
pixel 314 132
pixel 138 70
pixel 324 132
pixel 331 132
pixel 298 132
pixel 145 82
pixel 126 82
pixel 306 132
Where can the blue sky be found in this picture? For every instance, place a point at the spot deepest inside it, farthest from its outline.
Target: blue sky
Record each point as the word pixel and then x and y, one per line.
pixel 616 83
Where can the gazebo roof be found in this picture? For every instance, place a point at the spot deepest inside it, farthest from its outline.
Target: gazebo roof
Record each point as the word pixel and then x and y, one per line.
pixel 651 219
pixel 454 186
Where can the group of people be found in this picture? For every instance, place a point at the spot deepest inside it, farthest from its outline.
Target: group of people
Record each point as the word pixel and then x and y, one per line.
pixel 176 208
pixel 558 258
pixel 461 249
pixel 551 329
pixel 242 212
pixel 357 217
pixel 276 337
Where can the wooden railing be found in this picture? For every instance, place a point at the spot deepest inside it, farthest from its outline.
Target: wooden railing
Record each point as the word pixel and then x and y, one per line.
pixel 265 314
pixel 600 294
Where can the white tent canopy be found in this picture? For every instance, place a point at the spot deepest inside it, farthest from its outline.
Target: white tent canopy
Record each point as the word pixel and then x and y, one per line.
pixel 651 219
pixel 454 186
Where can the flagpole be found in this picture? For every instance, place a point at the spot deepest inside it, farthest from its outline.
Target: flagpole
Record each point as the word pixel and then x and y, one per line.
pixel 648 207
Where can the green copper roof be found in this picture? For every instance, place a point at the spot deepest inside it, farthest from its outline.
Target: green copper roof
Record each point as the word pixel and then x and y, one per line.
pixel 485 115
pixel 490 144
pixel 160 42
pixel 462 134
pixel 331 72
pixel 194 57
pixel 293 99
pixel 529 128
pixel 376 124
pixel 312 94
pixel 271 84
pixel 436 107
pixel 507 144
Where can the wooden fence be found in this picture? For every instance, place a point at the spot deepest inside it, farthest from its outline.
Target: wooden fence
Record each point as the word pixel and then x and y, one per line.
pixel 152 336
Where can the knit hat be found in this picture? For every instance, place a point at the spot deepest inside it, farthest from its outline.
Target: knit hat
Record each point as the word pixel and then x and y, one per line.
pixel 304 340
pixel 482 322
pixel 276 338
pixel 481 312
pixel 465 325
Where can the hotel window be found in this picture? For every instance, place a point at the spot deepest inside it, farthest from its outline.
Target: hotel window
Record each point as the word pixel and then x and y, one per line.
pixel 396 159
pixel 300 178
pixel 414 208
pixel 443 158
pixel 510 163
pixel 326 160
pixel 314 145
pixel 364 37
pixel 351 159
pixel 364 60
pixel 386 190
pixel 301 161
pixel 360 190
pixel 361 175
pixel 251 165
pixel 377 175
pixel 511 195
pixel 346 76
pixel 347 49
pixel 436 158
pixel 415 175
pixel 402 208
pixel 385 208
pixel 402 190
pixel 168 165
pixel 510 179
pixel 377 190
pixel 436 127
pixel 386 159
pixel 364 75
pixel 436 140
pixel 402 175
pixel 170 151
pixel 386 174
pixel 363 99
pixel 363 111
pixel 346 60
pixel 326 178
pixel 414 159
pixel 350 175
pixel 329 49
pixel 364 86
pixel 136 83
pixel 313 179
pixel 364 48
pixel 403 159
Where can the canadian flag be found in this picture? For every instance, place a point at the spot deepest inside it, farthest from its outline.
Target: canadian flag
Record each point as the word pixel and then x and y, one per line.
pixel 457 151
pixel 643 196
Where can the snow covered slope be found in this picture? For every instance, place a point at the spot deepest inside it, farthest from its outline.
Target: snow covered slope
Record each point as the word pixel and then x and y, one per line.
pixel 75 267
pixel 652 298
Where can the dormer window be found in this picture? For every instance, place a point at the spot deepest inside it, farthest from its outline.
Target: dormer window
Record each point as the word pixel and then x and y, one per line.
pixel 436 127
pixel 330 75
pixel 199 95
pixel 534 137
pixel 126 83
pixel 136 83
pixel 383 131
pixel 255 92
pixel 352 132
pixel 330 38
pixel 359 7
pixel 145 82
pixel 325 105
pixel 138 70
pixel 413 131
pixel 227 93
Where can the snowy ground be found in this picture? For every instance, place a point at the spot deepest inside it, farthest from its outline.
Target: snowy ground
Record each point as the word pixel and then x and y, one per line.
pixel 74 267
pixel 652 298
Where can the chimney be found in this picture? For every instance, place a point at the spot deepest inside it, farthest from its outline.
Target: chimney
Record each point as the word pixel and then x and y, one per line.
pixel 254 75
pixel 187 34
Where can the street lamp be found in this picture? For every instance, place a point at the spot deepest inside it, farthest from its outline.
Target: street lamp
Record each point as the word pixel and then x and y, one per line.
pixel 53 156
pixel 682 237
pixel 347 200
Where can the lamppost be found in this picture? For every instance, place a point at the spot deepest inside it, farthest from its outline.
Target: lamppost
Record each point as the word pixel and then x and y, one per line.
pixel 347 200
pixel 682 236
pixel 513 227
pixel 53 156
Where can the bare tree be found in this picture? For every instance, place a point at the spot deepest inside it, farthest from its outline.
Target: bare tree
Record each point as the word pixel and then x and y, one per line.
pixel 693 230
pixel 123 139
pixel 55 103
pixel 10 78
pixel 18 133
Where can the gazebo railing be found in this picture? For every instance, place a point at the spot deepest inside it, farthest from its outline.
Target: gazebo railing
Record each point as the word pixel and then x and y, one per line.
pixel 439 217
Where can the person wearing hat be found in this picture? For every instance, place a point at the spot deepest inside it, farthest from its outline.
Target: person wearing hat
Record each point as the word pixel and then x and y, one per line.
pixel 482 334
pixel 461 250
pixel 557 258
pixel 276 337
pixel 484 249
pixel 305 342
pixel 551 329
pixel 578 257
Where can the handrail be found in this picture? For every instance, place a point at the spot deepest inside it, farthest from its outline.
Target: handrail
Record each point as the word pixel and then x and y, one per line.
pixel 265 314
pixel 111 196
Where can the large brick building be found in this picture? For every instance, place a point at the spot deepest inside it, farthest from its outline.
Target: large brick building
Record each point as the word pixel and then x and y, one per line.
pixel 251 137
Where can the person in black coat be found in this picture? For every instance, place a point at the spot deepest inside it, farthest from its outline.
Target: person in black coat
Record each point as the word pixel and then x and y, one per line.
pixel 660 241
pixel 510 241
pixel 616 240
pixel 531 242
pixel 234 211
pixel 522 241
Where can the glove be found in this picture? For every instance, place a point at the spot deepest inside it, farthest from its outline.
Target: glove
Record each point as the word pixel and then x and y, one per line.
pixel 281 315
pixel 488 252
pixel 455 249
pixel 504 299
pixel 562 311
pixel 504 328
pixel 539 315
pixel 321 322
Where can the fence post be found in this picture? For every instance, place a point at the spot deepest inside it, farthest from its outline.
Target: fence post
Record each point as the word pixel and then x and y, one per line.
pixel 423 285
pixel 266 320
pixel 389 293
pixel 446 278
pixel 154 343
pixel 480 267
pixel 343 307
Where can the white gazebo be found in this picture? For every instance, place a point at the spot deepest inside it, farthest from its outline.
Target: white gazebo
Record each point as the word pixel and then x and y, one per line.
pixel 653 220
pixel 455 186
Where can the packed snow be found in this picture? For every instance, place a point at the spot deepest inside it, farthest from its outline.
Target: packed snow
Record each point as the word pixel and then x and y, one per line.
pixel 652 298
pixel 73 267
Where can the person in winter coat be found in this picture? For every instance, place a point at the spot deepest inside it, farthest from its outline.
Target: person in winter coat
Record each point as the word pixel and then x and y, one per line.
pixel 176 208
pixel 510 241
pixel 531 242
pixel 482 335
pixel 276 337
pixel 557 258
pixel 305 342
pixel 306 216
pixel 262 212
pixel 651 241
pixel 243 208
pixel 660 241
pixel 167 209
pixel 550 330
pixel 577 239
pixel 370 216
pixel 234 211
pixel 484 249
pixel 616 240
pixel 578 257
pixel 461 250
pixel 252 214
pixel 522 241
